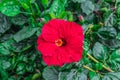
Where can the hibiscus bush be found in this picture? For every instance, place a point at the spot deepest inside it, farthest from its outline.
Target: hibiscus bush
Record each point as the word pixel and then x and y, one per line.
pixel 22 54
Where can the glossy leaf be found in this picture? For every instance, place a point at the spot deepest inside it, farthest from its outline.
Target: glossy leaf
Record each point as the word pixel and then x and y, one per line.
pixel 4 24
pixel 74 75
pixel 79 1
pixel 107 32
pixel 50 73
pixel 44 3
pixel 62 75
pixel 6 47
pixel 57 8
pixel 112 76
pixel 19 20
pixel 26 32
pixel 99 50
pixel 9 7
pixel 94 76
pixel 87 7
pixel 5 64
pixel 115 58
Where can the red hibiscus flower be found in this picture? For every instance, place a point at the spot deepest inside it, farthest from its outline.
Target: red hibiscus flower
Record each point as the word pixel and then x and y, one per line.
pixel 61 42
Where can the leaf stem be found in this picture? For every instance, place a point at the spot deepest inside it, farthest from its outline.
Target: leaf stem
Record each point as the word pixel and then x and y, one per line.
pixel 87 67
pixel 89 29
pixel 105 67
pixel 92 58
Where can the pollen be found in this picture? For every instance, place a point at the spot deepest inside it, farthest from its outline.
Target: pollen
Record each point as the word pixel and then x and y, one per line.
pixel 59 42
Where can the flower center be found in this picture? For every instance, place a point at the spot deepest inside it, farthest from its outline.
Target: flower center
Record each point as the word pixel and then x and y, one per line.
pixel 59 42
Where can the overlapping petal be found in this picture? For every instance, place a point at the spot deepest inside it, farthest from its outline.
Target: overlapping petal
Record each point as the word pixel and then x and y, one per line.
pixel 46 48
pixel 69 32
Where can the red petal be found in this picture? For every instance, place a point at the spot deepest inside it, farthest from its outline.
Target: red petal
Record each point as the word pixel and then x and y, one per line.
pixel 76 40
pixel 46 48
pixel 60 57
pixel 49 30
pixel 73 35
pixel 53 60
pixel 75 55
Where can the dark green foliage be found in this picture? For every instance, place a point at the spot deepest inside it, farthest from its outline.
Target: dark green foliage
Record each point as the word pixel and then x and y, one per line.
pixel 21 22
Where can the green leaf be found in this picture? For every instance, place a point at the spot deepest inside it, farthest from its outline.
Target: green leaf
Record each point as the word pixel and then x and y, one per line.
pixel 22 46
pixel 66 66
pixel 4 51
pixel 44 3
pixel 63 15
pixel 71 75
pixel 118 36
pixel 117 1
pixel 90 19
pixel 4 24
pixel 22 58
pixel 3 74
pixel 9 7
pixel 19 20
pixel 50 73
pixel 94 76
pixel 6 47
pixel 74 75
pixel 118 10
pixel 21 68
pixel 25 4
pixel 26 1
pixel 107 32
pixel 70 16
pixel 7 44
pixel 112 76
pixel 57 7
pixel 36 76
pixel 25 33
pixel 81 76
pixel 5 64
pixel 86 60
pixel 79 1
pixel 115 58
pixel 62 75
pixel 87 7
pixel 12 78
pixel 6 37
pixel 109 1
pixel 30 68
pixel 99 66
pixel 111 20
pixel 80 63
pixel 99 50
pixel 86 45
